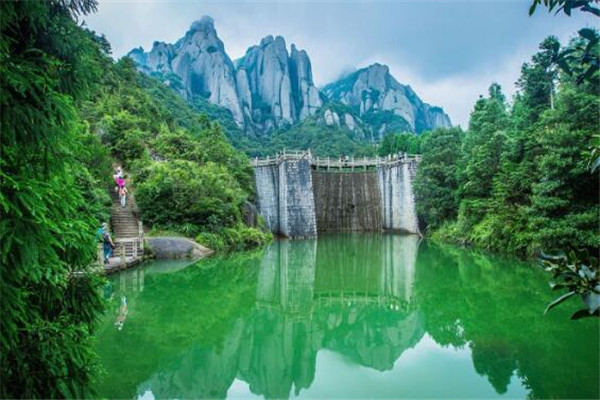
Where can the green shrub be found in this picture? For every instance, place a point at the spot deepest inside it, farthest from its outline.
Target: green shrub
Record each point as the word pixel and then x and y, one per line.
pixel 237 238
pixel 251 237
pixel 182 192
pixel 211 240
pixel 129 146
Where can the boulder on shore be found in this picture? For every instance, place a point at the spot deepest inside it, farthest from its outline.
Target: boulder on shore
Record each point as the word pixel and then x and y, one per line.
pixel 176 247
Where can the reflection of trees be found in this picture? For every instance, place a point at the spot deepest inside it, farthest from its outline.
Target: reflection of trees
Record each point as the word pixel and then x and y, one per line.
pixel 263 318
pixel 193 309
pixel 496 311
pixel 270 337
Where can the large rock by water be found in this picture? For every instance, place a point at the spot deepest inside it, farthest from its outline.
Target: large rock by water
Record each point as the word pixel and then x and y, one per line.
pixel 176 247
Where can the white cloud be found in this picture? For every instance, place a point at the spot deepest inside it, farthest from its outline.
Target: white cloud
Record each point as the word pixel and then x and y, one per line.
pixel 458 93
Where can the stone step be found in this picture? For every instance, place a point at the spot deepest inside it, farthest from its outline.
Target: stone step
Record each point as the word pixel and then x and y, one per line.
pixel 124 222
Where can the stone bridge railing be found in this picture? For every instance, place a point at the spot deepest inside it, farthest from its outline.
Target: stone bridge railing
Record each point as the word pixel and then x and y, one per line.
pixel 337 164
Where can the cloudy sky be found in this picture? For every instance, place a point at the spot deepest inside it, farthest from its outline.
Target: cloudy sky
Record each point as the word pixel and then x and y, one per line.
pixel 448 51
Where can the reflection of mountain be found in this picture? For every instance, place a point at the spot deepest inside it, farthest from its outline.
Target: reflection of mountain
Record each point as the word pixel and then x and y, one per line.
pixel 373 338
pixel 201 373
pixel 362 310
pixel 262 318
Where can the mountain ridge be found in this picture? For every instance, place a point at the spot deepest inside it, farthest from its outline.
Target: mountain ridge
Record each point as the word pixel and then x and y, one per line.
pixel 270 89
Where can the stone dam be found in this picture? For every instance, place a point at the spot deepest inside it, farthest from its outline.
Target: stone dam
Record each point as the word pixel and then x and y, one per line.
pixel 299 196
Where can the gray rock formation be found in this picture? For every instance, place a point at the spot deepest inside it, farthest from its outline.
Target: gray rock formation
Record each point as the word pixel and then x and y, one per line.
pixel 373 90
pixel 176 247
pixel 307 97
pixel 200 61
pixel 280 85
pixel 268 74
pixel 268 88
pixel 341 118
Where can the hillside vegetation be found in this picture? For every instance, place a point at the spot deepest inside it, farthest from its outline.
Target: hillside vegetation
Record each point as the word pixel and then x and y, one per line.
pixel 518 180
pixel 68 111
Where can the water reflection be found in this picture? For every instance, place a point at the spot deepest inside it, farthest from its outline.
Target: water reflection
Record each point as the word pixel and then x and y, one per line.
pixel 263 318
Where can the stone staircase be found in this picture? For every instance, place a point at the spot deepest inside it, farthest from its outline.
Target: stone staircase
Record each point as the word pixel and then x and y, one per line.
pixel 124 222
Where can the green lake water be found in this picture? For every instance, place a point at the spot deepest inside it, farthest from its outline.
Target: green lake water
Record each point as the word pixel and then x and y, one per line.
pixel 344 316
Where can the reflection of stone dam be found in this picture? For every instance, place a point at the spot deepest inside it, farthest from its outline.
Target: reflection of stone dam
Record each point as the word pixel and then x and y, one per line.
pixel 298 197
pixel 306 302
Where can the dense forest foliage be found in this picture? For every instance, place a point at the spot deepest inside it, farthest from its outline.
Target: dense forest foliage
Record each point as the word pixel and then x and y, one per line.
pixel 52 169
pixel 188 178
pixel 68 114
pixel 517 181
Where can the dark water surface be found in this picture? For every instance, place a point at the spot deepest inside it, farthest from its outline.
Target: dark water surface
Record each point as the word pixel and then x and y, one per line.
pixel 344 316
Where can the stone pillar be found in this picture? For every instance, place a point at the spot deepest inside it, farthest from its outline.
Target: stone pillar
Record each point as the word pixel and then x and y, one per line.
pixel 397 197
pixel 267 194
pixel 296 200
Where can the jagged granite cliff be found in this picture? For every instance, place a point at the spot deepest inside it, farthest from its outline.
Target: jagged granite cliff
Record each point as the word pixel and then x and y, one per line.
pixel 200 61
pixel 377 99
pixel 276 88
pixel 268 88
pixel 271 89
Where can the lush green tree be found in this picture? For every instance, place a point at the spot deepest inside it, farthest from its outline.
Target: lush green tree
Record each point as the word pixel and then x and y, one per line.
pixel 435 184
pixel 581 60
pixel 177 145
pixel 179 193
pixel 397 143
pixel 564 203
pixel 50 300
pixel 538 79
pixel 138 117
pixel 523 183
pixel 481 152
pixel 323 141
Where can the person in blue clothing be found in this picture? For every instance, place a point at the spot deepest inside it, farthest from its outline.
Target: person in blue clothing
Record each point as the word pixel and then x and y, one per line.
pixel 100 231
pixel 107 242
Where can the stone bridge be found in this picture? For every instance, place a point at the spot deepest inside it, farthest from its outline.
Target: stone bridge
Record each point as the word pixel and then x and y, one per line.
pixel 299 195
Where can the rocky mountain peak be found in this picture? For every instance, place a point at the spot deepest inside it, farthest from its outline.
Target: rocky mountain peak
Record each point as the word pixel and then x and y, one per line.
pixel 374 91
pixel 270 88
pixel 203 35
pixel 205 24
pixel 295 53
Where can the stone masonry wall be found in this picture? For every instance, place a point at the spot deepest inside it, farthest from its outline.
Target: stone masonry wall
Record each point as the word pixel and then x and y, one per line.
pixel 397 197
pixel 347 201
pixel 296 200
pixel 267 194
